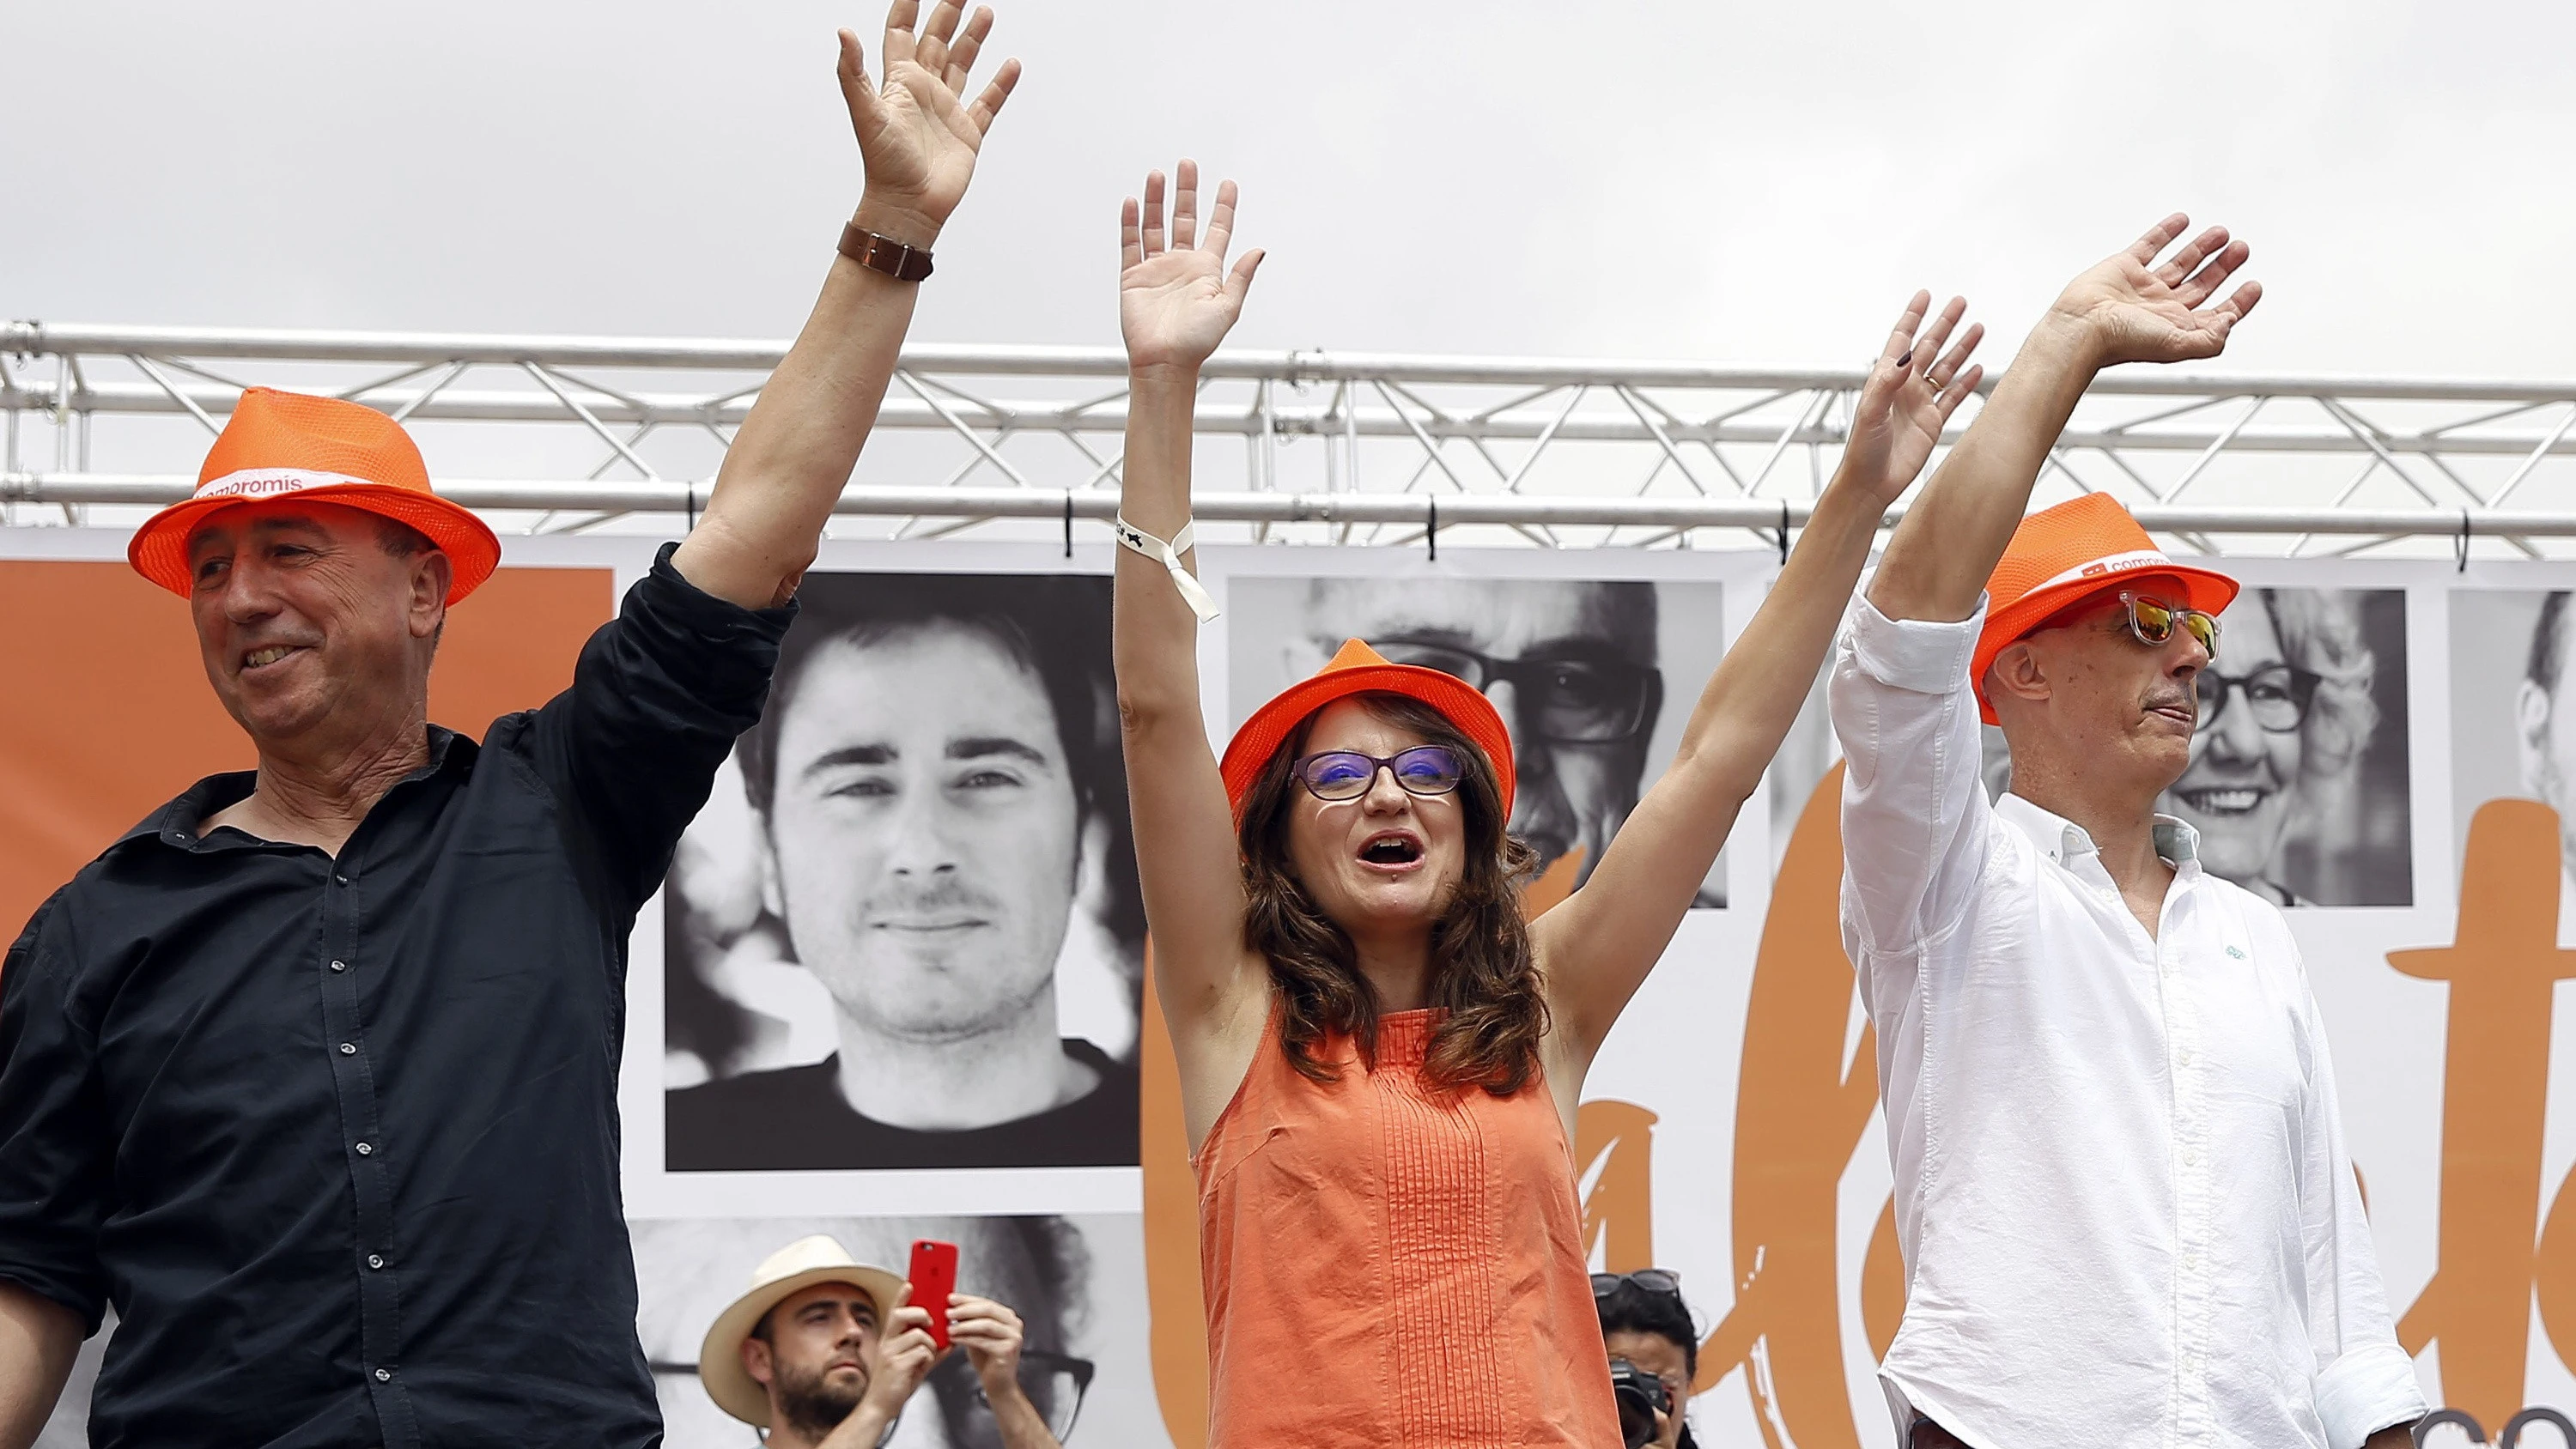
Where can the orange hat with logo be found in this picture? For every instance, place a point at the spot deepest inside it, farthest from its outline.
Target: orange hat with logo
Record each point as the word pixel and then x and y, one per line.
pixel 2059 556
pixel 1358 669
pixel 281 445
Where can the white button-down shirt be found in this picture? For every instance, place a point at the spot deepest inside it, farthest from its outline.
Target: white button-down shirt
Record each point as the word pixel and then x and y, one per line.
pixel 2122 1192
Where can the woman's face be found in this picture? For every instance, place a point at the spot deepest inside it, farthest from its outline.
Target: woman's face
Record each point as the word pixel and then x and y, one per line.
pixel 2242 777
pixel 1664 1359
pixel 1387 859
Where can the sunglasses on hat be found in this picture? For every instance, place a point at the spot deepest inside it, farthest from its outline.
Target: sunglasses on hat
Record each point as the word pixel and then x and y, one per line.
pixel 2152 621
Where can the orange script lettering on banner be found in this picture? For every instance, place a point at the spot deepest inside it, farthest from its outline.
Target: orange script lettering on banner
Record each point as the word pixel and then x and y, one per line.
pixel 112 715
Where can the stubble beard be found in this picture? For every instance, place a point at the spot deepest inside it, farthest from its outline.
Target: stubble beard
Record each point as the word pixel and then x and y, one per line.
pixel 813 1405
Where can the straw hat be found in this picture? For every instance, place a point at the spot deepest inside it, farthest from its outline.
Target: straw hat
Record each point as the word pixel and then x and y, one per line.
pixel 783 1274
pixel 2061 555
pixel 285 444
pixel 1358 669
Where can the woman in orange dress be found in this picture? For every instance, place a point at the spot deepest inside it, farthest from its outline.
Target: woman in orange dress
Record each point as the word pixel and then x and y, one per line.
pixel 1379 1060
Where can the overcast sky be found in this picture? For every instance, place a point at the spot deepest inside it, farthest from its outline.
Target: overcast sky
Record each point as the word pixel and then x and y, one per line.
pixel 1754 184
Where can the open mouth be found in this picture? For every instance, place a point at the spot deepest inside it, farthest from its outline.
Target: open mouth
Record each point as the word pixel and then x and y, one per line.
pixel 2226 799
pixel 1391 849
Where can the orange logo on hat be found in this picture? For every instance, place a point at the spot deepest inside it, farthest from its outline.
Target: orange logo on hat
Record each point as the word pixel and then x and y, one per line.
pixel 2061 554
pixel 286 444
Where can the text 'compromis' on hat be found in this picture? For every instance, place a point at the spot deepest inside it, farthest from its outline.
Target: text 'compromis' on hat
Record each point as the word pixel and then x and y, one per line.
pixel 1358 669
pixel 2058 556
pixel 280 445
pixel 782 1275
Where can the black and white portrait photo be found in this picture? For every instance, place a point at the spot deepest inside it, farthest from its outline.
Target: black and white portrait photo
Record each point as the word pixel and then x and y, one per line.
pixel 2298 784
pixel 906 933
pixel 1593 677
pixel 2513 712
pixel 1077 1284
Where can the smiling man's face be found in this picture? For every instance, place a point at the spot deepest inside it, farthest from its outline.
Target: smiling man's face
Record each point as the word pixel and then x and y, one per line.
pixel 923 832
pixel 306 623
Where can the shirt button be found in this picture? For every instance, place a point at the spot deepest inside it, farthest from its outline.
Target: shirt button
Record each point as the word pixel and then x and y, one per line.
pixel 364 1149
pixel 344 880
pixel 339 965
pixel 348 1049
pixel 384 1376
pixel 375 1260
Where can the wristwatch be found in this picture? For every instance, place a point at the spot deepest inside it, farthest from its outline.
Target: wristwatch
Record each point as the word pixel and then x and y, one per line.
pixel 884 254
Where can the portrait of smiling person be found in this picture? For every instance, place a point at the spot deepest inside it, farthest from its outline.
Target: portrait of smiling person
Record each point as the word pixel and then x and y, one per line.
pixel 912 937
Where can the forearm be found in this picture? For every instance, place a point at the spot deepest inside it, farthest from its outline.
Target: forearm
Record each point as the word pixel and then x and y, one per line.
pixel 1154 634
pixel 1017 1418
pixel 793 456
pixel 1939 558
pixel 38 1340
pixel 862 1428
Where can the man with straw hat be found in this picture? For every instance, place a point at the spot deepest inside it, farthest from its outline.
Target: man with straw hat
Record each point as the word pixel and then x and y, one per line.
pixel 824 1351
pixel 2122 1193
pixel 312 1075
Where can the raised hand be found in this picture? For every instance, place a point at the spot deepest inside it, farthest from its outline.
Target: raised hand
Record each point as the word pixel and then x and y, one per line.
pixel 905 1356
pixel 990 1333
pixel 917 138
pixel 2138 311
pixel 1911 392
pixel 1176 302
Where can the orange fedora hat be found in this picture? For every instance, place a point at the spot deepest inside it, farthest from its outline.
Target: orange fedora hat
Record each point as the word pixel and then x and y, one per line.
pixel 288 445
pixel 2058 556
pixel 1358 669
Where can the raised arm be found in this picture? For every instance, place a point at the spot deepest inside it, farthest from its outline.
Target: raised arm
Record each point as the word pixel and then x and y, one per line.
pixel 1176 301
pixel 787 466
pixel 1597 947
pixel 2126 309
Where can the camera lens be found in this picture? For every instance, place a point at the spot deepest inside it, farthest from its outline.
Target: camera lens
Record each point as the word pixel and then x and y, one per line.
pixel 1641 1397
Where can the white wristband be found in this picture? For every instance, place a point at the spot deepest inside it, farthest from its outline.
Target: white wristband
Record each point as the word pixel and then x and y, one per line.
pixel 1193 593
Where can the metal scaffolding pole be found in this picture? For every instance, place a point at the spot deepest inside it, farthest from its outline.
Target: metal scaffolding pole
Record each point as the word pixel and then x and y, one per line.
pixel 568 433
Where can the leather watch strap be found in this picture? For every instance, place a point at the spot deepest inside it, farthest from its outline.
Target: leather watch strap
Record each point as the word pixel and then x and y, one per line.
pixel 884 254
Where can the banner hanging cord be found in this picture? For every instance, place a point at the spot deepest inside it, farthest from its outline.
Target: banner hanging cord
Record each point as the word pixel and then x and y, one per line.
pixel 1068 523
pixel 2460 550
pixel 1431 532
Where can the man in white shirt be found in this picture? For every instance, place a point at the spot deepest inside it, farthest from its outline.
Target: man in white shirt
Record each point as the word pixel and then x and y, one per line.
pixel 2122 1190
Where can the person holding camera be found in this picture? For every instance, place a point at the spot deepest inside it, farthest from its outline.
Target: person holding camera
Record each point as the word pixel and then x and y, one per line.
pixel 1654 1354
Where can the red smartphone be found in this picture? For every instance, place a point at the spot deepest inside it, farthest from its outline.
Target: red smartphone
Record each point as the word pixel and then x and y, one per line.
pixel 934 1277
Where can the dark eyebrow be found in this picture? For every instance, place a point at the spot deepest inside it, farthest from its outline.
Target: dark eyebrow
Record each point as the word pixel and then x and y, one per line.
pixel 849 755
pixel 975 747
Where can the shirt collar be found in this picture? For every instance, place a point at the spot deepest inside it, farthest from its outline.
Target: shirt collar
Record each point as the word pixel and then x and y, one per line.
pixel 2064 841
pixel 175 823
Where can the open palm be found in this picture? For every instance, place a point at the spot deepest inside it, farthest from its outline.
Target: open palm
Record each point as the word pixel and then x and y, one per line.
pixel 1176 298
pixel 2139 311
pixel 918 140
pixel 1911 392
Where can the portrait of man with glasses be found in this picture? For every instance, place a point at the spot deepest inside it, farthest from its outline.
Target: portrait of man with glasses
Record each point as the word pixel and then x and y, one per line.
pixel 2298 774
pixel 1575 666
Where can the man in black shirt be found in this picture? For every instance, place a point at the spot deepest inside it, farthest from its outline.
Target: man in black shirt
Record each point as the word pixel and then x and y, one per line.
pixel 312 1075
pixel 935 776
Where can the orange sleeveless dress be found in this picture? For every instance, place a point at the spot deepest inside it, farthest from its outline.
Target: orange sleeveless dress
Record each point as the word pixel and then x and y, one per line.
pixel 1386 1264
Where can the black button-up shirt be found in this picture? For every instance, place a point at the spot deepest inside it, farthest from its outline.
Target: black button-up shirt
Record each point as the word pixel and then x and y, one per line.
pixel 338 1137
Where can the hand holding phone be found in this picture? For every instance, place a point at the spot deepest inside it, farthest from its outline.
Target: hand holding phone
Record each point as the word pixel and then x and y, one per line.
pixel 934 1280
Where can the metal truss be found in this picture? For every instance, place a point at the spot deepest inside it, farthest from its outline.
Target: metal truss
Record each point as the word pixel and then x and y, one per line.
pixel 564 434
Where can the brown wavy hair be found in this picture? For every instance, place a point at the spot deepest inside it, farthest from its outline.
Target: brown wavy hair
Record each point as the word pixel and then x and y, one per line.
pixel 1483 976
